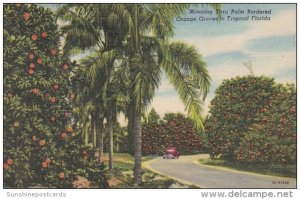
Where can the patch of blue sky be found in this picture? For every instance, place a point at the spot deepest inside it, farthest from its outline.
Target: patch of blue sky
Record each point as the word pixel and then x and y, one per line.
pixel 228 57
pixel 288 74
pixel 273 44
pixel 171 92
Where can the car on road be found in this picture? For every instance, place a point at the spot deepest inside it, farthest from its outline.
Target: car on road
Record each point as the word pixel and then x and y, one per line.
pixel 171 153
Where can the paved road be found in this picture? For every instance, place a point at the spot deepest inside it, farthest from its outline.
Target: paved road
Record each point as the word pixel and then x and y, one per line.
pixel 187 170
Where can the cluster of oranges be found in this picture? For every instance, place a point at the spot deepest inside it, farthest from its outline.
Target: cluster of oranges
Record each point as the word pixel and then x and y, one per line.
pixel 8 163
pixel 64 135
pixel 32 64
pixel 35 37
pixel 85 155
pixel 34 61
pixel 46 163
pixel 52 99
pixel 41 142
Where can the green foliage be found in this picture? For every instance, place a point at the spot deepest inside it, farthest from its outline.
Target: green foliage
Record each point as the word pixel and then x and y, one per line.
pixel 175 130
pixel 188 74
pixel 153 117
pixel 120 138
pixel 41 148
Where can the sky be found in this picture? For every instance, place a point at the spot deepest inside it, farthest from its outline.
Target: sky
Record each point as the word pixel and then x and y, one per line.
pixel 269 45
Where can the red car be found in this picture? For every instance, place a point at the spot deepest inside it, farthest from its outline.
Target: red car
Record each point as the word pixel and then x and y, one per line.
pixel 171 153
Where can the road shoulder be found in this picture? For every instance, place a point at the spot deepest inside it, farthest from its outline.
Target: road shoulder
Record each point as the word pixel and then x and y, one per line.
pixel 147 166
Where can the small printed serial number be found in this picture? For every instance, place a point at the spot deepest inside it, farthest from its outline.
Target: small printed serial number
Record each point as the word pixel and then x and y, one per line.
pixel 280 182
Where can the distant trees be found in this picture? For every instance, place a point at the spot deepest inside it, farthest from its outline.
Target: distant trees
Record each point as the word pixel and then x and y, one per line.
pixel 152 117
pixel 176 130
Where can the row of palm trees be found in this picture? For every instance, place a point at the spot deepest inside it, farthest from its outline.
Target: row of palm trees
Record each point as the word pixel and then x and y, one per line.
pixel 128 50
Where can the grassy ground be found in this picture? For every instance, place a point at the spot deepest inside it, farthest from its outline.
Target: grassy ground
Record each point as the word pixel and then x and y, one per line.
pixel 122 175
pixel 289 171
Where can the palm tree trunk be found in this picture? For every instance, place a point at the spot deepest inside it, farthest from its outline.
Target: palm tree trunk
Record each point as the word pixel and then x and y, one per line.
pixel 136 113
pixel 129 128
pixel 110 141
pixel 86 132
pixel 93 130
pixel 99 127
pixel 137 132
pixel 95 134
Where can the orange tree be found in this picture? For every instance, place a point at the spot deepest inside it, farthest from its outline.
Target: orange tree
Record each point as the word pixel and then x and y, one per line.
pixel 272 139
pixel 176 130
pixel 41 146
pixel 234 110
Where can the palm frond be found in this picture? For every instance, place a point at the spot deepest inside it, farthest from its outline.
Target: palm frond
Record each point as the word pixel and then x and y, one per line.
pixel 76 26
pixel 186 71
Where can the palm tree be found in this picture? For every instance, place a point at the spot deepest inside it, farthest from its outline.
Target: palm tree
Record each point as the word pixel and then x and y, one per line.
pixel 150 53
pixel 101 35
pixel 106 82
pixel 92 70
pixel 141 32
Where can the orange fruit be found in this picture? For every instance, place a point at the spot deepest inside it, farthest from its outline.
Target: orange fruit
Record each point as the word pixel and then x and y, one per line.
pixel 53 99
pixel 65 66
pixel 35 91
pixel 31 56
pixel 61 175
pixel 5 166
pixel 30 71
pixel 53 51
pixel 10 161
pixel 52 118
pixel 31 65
pixel 69 129
pixel 44 35
pixel 34 138
pixel 16 124
pixel 39 61
pixel 45 165
pixel 63 136
pixel 42 142
pixel 85 157
pixel 55 86
pixel 47 160
pixel 34 37
pixel 26 16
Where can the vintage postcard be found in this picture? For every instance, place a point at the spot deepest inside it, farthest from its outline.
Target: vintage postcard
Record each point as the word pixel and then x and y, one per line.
pixel 149 96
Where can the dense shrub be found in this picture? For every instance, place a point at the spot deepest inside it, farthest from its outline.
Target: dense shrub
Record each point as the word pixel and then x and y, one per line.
pixel 253 121
pixel 234 110
pixel 272 139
